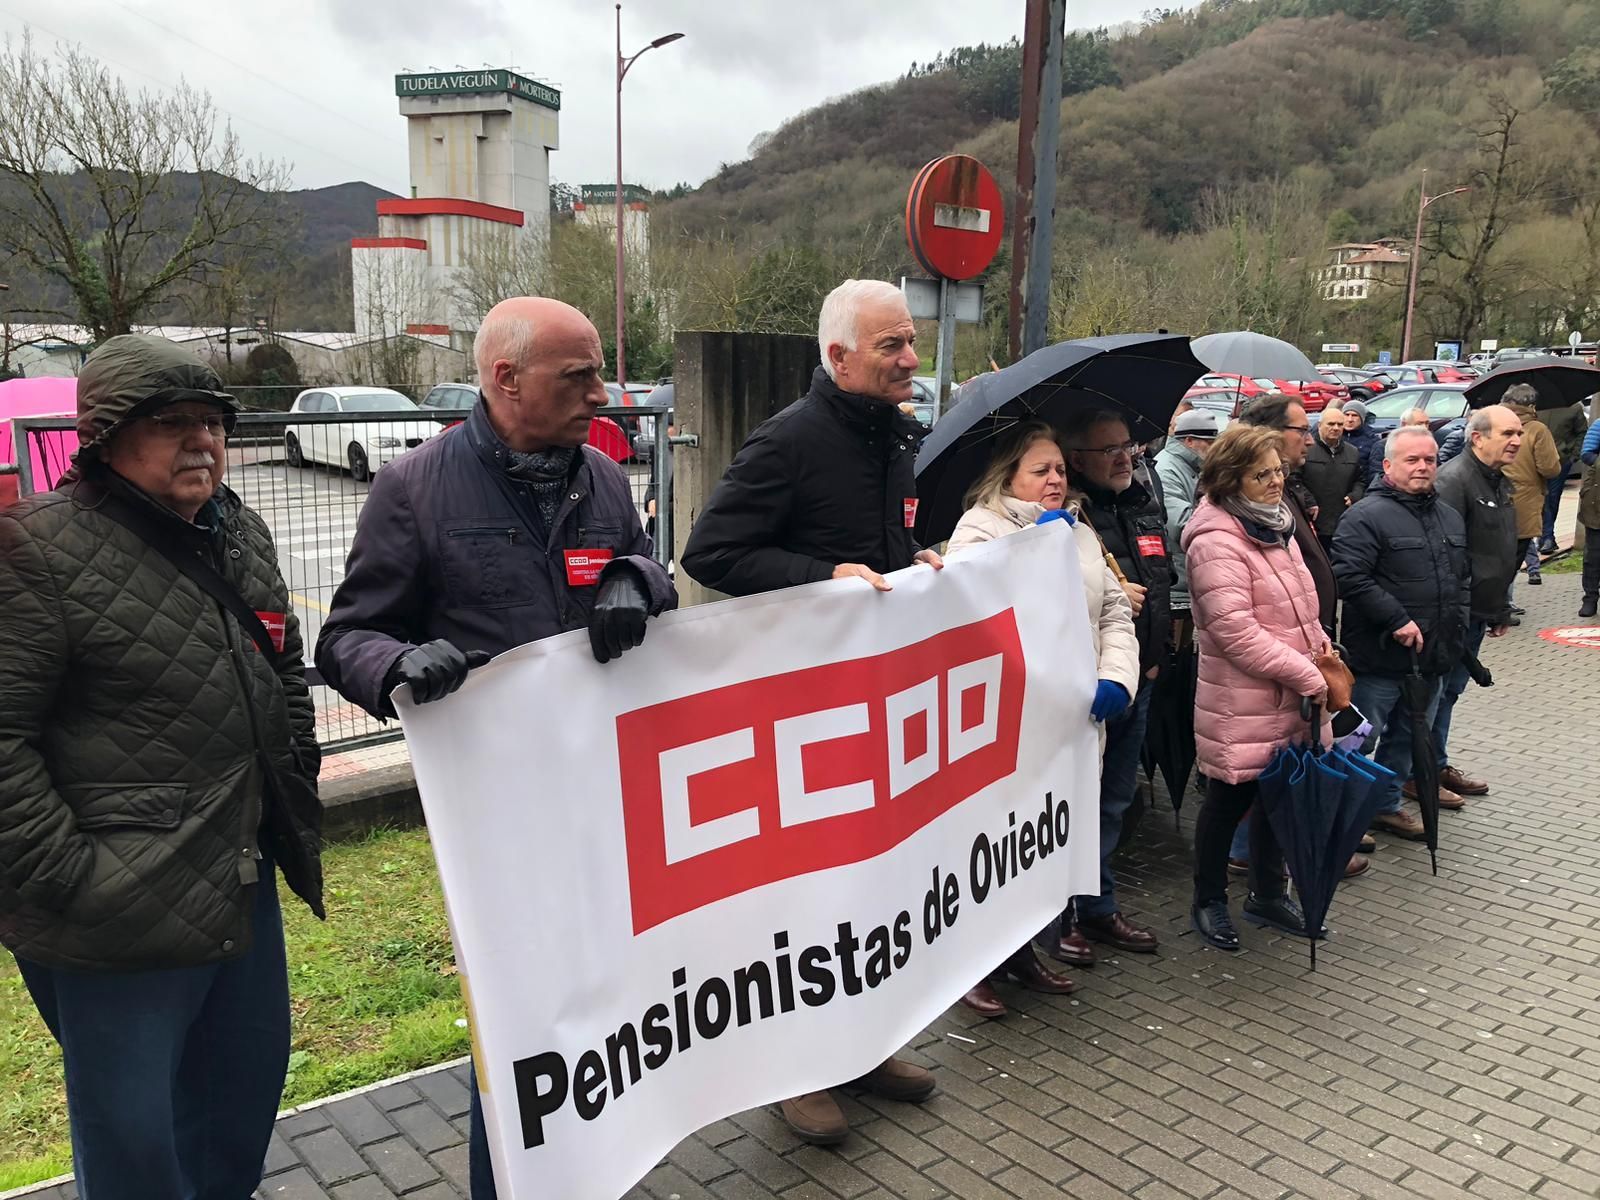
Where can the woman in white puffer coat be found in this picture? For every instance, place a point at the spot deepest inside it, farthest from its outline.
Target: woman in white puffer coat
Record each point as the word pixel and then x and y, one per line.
pixel 1026 479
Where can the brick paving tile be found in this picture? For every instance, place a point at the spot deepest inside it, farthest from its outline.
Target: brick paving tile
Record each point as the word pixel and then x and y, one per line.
pixel 1443 1049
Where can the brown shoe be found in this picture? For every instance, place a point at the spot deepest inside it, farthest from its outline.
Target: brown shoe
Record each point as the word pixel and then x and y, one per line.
pixel 1032 974
pixel 1072 948
pixel 1357 865
pixel 897 1079
pixel 1116 930
pixel 815 1118
pixel 1401 824
pixel 985 1001
pixel 1453 779
pixel 1447 799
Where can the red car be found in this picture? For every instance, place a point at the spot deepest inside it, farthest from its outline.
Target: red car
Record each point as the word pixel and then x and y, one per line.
pixel 1241 385
pixel 1314 396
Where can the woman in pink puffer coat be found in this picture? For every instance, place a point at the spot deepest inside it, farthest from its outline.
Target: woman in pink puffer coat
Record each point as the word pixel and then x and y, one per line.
pixel 1256 623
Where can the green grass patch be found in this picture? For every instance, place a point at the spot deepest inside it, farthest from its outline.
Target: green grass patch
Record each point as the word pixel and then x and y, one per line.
pixel 373 990
pixel 1567 564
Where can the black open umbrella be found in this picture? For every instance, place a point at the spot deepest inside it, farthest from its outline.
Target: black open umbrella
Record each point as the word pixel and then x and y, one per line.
pixel 1141 376
pixel 1559 382
pixel 1415 692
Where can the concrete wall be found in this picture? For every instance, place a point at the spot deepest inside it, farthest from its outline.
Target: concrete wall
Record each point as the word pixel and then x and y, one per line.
pixel 726 384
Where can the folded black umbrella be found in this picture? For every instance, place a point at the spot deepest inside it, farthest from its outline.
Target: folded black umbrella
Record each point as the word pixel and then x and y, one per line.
pixel 1169 733
pixel 1139 376
pixel 1415 692
pixel 1559 382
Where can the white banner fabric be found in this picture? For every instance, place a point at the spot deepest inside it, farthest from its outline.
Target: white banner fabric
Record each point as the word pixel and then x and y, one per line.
pixel 758 854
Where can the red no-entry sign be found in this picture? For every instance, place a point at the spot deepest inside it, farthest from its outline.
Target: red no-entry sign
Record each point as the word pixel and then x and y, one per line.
pixel 955 217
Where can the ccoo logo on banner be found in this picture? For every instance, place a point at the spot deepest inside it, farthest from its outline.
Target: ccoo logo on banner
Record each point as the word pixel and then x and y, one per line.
pixel 757 855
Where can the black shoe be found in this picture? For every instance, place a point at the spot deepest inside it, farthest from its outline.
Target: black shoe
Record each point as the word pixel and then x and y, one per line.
pixel 1588 608
pixel 1214 925
pixel 1514 620
pixel 1535 579
pixel 1517 610
pixel 1280 912
pixel 1547 546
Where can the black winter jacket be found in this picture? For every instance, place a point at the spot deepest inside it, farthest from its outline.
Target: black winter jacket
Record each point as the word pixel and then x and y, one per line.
pixel 1331 474
pixel 450 546
pixel 1401 558
pixel 1369 445
pixel 828 480
pixel 147 748
pixel 1132 524
pixel 1482 495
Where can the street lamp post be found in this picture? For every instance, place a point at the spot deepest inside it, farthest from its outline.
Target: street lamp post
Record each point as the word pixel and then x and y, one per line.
pixel 1416 255
pixel 622 70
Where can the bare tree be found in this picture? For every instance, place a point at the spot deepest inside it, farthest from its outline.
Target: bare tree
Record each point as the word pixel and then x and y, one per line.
pixel 496 264
pixel 123 198
pixel 391 295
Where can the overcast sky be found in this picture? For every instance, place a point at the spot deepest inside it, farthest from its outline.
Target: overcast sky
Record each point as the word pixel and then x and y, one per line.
pixel 312 81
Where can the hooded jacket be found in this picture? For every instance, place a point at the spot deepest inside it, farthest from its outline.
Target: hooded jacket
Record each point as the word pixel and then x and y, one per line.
pixel 1178 469
pixel 1568 427
pixel 1255 616
pixel 1482 495
pixel 1116 648
pixel 1530 473
pixel 147 748
pixel 1400 558
pixel 828 480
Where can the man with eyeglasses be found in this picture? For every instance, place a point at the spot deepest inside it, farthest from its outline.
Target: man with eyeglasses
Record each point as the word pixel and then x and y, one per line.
pixel 1400 556
pixel 1132 524
pixel 158 769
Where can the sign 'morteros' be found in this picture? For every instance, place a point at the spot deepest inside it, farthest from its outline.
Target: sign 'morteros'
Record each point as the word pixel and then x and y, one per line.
pixel 477 83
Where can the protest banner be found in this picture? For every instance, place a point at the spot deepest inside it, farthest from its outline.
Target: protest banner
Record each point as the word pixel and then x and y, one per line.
pixel 758 854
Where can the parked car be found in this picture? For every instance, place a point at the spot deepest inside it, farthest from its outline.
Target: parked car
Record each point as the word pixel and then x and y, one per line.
pixel 450 403
pixel 1439 371
pixel 362 446
pixel 1314 394
pixel 1241 385
pixel 1350 377
pixel 1445 404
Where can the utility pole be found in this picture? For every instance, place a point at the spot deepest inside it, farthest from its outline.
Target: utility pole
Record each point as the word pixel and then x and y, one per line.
pixel 1423 200
pixel 1038 137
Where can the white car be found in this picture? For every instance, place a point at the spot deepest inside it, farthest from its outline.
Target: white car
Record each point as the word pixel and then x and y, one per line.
pixel 360 445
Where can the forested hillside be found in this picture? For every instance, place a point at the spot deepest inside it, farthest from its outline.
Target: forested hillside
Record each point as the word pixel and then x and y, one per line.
pixel 1209 157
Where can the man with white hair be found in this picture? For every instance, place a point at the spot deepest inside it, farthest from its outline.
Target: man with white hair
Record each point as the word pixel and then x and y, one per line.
pixel 825 490
pixel 1400 557
pixel 500 531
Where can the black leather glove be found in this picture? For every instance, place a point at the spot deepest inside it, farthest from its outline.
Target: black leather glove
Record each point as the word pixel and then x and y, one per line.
pixel 620 611
pixel 433 670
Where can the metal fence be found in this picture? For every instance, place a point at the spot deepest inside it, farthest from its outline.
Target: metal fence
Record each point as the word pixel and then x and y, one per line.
pixel 308 474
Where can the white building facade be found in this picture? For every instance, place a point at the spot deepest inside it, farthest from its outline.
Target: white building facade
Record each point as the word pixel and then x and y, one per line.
pixel 479 146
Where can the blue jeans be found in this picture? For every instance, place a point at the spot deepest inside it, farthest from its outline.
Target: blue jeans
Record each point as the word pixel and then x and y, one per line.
pixel 173 1076
pixel 480 1171
pixel 1454 684
pixel 1378 698
pixel 1119 777
pixel 1552 502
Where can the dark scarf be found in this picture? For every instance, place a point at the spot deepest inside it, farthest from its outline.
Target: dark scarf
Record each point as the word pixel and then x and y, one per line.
pixel 545 474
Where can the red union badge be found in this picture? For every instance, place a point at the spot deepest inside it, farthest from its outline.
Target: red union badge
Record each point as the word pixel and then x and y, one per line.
pixel 584 566
pixel 745 785
pixel 1151 545
pixel 911 511
pixel 275 623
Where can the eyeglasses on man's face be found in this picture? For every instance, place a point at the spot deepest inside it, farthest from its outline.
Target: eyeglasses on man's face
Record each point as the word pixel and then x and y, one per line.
pixel 178 426
pixel 1111 452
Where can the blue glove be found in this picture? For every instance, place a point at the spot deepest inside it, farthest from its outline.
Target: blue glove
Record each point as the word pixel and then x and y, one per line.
pixel 1110 700
pixel 1056 514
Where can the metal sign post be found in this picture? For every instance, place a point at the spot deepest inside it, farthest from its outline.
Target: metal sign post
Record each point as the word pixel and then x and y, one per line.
pixel 945 360
pixel 951 304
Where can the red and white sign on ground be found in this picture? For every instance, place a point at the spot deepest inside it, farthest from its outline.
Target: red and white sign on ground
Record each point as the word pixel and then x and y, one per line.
pixel 758 854
pixel 1586 636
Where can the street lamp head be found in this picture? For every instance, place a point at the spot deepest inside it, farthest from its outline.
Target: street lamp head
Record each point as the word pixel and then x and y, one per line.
pixel 662 41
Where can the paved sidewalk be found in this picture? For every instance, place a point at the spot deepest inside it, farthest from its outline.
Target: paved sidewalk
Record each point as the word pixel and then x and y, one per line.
pixel 1446 1046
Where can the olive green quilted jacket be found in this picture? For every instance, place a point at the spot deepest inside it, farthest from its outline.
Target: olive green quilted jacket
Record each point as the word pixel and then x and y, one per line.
pixel 147 747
